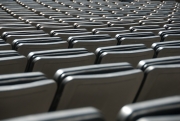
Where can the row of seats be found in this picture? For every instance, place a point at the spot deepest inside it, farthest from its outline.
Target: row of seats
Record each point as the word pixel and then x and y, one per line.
pixel 90 42
pixel 153 110
pixel 60 54
pixel 48 61
pixel 25 42
pixel 92 85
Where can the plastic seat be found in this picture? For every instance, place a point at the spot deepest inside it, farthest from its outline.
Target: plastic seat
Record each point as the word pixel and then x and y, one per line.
pixel 89 25
pixel 124 53
pixel 112 31
pixel 79 114
pixel 25 91
pixel 91 42
pixel 48 61
pixel 147 38
pixel 25 46
pixel 169 35
pixel 4 45
pixel 65 33
pixel 12 62
pixel 124 23
pixel 15 27
pixel 162 73
pixel 96 84
pixel 148 28
pixel 10 36
pixel 169 48
pixel 48 27
pixel 156 107
pixel 161 118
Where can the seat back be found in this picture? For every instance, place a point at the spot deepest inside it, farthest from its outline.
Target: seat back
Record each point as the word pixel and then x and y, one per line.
pixel 124 53
pixel 25 92
pixel 161 118
pixel 25 46
pixel 100 91
pixel 51 60
pixel 157 80
pixel 79 114
pixel 156 107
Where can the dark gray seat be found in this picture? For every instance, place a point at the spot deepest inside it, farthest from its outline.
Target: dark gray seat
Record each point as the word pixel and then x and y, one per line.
pixel 42 9
pixel 11 62
pixel 156 107
pixel 24 18
pixel 86 16
pixel 47 14
pixel 98 86
pixel 21 14
pixel 147 38
pixel 71 21
pixel 124 23
pixel 174 20
pixel 32 21
pixel 25 46
pixel 160 74
pixel 79 114
pixel 123 53
pixel 89 25
pixel 134 18
pixel 112 31
pixel 156 17
pixel 48 61
pixel 169 48
pixel 25 92
pixel 40 24
pixel 143 64
pixel 10 36
pixel 4 45
pixel 91 42
pixel 102 19
pixel 10 20
pixel 48 27
pixel 147 28
pixel 170 35
pixel 159 22
pixel 113 16
pixel 100 13
pixel 65 33
pixel 15 27
pixel 172 26
pixel 161 118
pixel 56 18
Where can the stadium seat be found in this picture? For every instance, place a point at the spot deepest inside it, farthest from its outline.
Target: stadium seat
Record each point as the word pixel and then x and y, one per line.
pixel 160 74
pixel 9 36
pixel 48 61
pixel 131 53
pixel 147 38
pixel 97 85
pixel 97 45
pixel 25 46
pixel 156 107
pixel 25 94
pixel 91 42
pixel 12 62
pixel 79 114
pixel 65 33
pixel 161 118
pixel 169 48
pixel 112 31
pixel 4 45
pixel 146 28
